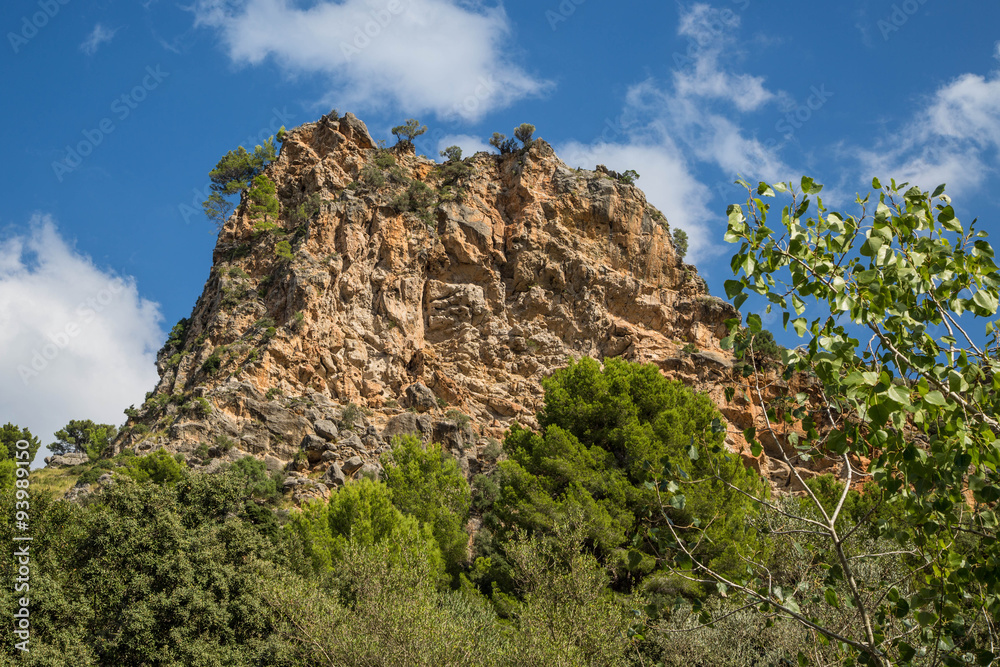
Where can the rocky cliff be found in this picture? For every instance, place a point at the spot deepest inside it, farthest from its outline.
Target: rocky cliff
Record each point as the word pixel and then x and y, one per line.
pixel 395 294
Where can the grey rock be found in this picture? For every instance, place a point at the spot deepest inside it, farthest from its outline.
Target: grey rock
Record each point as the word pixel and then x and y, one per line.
pixel 371 470
pixel 420 397
pixel 328 455
pixel 326 429
pixel 352 465
pixel 67 460
pixel 334 476
pixel 273 464
pixel 712 358
pixel 314 447
pixel 409 423
pixel 351 439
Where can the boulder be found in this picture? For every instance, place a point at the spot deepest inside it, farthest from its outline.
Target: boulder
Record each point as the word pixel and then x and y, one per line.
pixel 334 476
pixel 67 460
pixel 326 429
pixel 352 465
pixel 420 397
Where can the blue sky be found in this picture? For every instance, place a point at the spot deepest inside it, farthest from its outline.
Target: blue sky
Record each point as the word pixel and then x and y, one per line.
pixel 116 111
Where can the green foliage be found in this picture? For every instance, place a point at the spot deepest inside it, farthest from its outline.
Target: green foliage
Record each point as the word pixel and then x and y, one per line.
pixel 361 515
pixel 524 133
pixel 628 177
pixel 921 407
pixel 159 467
pixel 176 338
pixel 233 173
pixel 283 250
pixel 405 134
pixel 429 485
pixel 350 416
pixel 606 433
pixel 144 575
pixel 306 210
pixel 263 202
pixel 502 143
pixel 680 239
pixel 83 435
pixel 416 198
pixel 372 176
pixel 385 160
pixel 10 434
pixel 280 136
pixel 254 479
pixel 213 363
pixel 452 153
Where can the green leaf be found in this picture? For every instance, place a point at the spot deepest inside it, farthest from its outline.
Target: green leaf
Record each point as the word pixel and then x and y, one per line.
pixel 938 190
pixel 935 398
pixel 987 301
pixel 925 617
pixel 800 326
pixel 753 323
pixel 634 559
pixel 899 394
pixel 733 287
pixel 876 184
pixel 831 598
pixel 810 187
pixel 765 190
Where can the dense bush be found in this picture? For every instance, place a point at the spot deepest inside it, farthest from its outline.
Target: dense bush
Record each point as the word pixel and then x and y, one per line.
pixel 606 435
pixel 429 485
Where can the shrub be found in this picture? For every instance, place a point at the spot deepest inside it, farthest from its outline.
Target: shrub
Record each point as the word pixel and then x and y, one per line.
pixel 159 467
pixel 628 177
pixel 680 239
pixel 385 160
pixel 372 176
pixel 458 417
pixel 405 134
pixel 605 435
pixel 429 485
pixel 283 250
pixel 213 363
pixel 361 514
pixel 502 143
pixel 263 202
pixel 350 415
pixel 524 133
pixel 452 153
pixel 83 435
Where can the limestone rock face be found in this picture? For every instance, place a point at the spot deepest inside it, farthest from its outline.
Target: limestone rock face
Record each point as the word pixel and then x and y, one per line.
pixel 392 282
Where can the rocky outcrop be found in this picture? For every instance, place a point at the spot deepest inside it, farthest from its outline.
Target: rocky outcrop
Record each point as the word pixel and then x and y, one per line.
pixel 397 295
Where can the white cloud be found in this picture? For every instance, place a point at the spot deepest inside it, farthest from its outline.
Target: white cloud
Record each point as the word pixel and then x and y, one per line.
pixel 665 177
pixel 442 56
pixel 79 342
pixel 954 139
pixel 469 144
pixel 99 35
pixel 712 34
pixel 667 131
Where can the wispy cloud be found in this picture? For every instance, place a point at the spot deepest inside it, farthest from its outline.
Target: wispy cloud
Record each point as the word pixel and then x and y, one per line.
pixel 670 131
pixel 953 139
pixel 99 35
pixel 78 341
pixel 449 57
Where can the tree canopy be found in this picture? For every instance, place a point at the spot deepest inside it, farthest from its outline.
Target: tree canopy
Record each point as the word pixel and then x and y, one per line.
pixel 891 304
